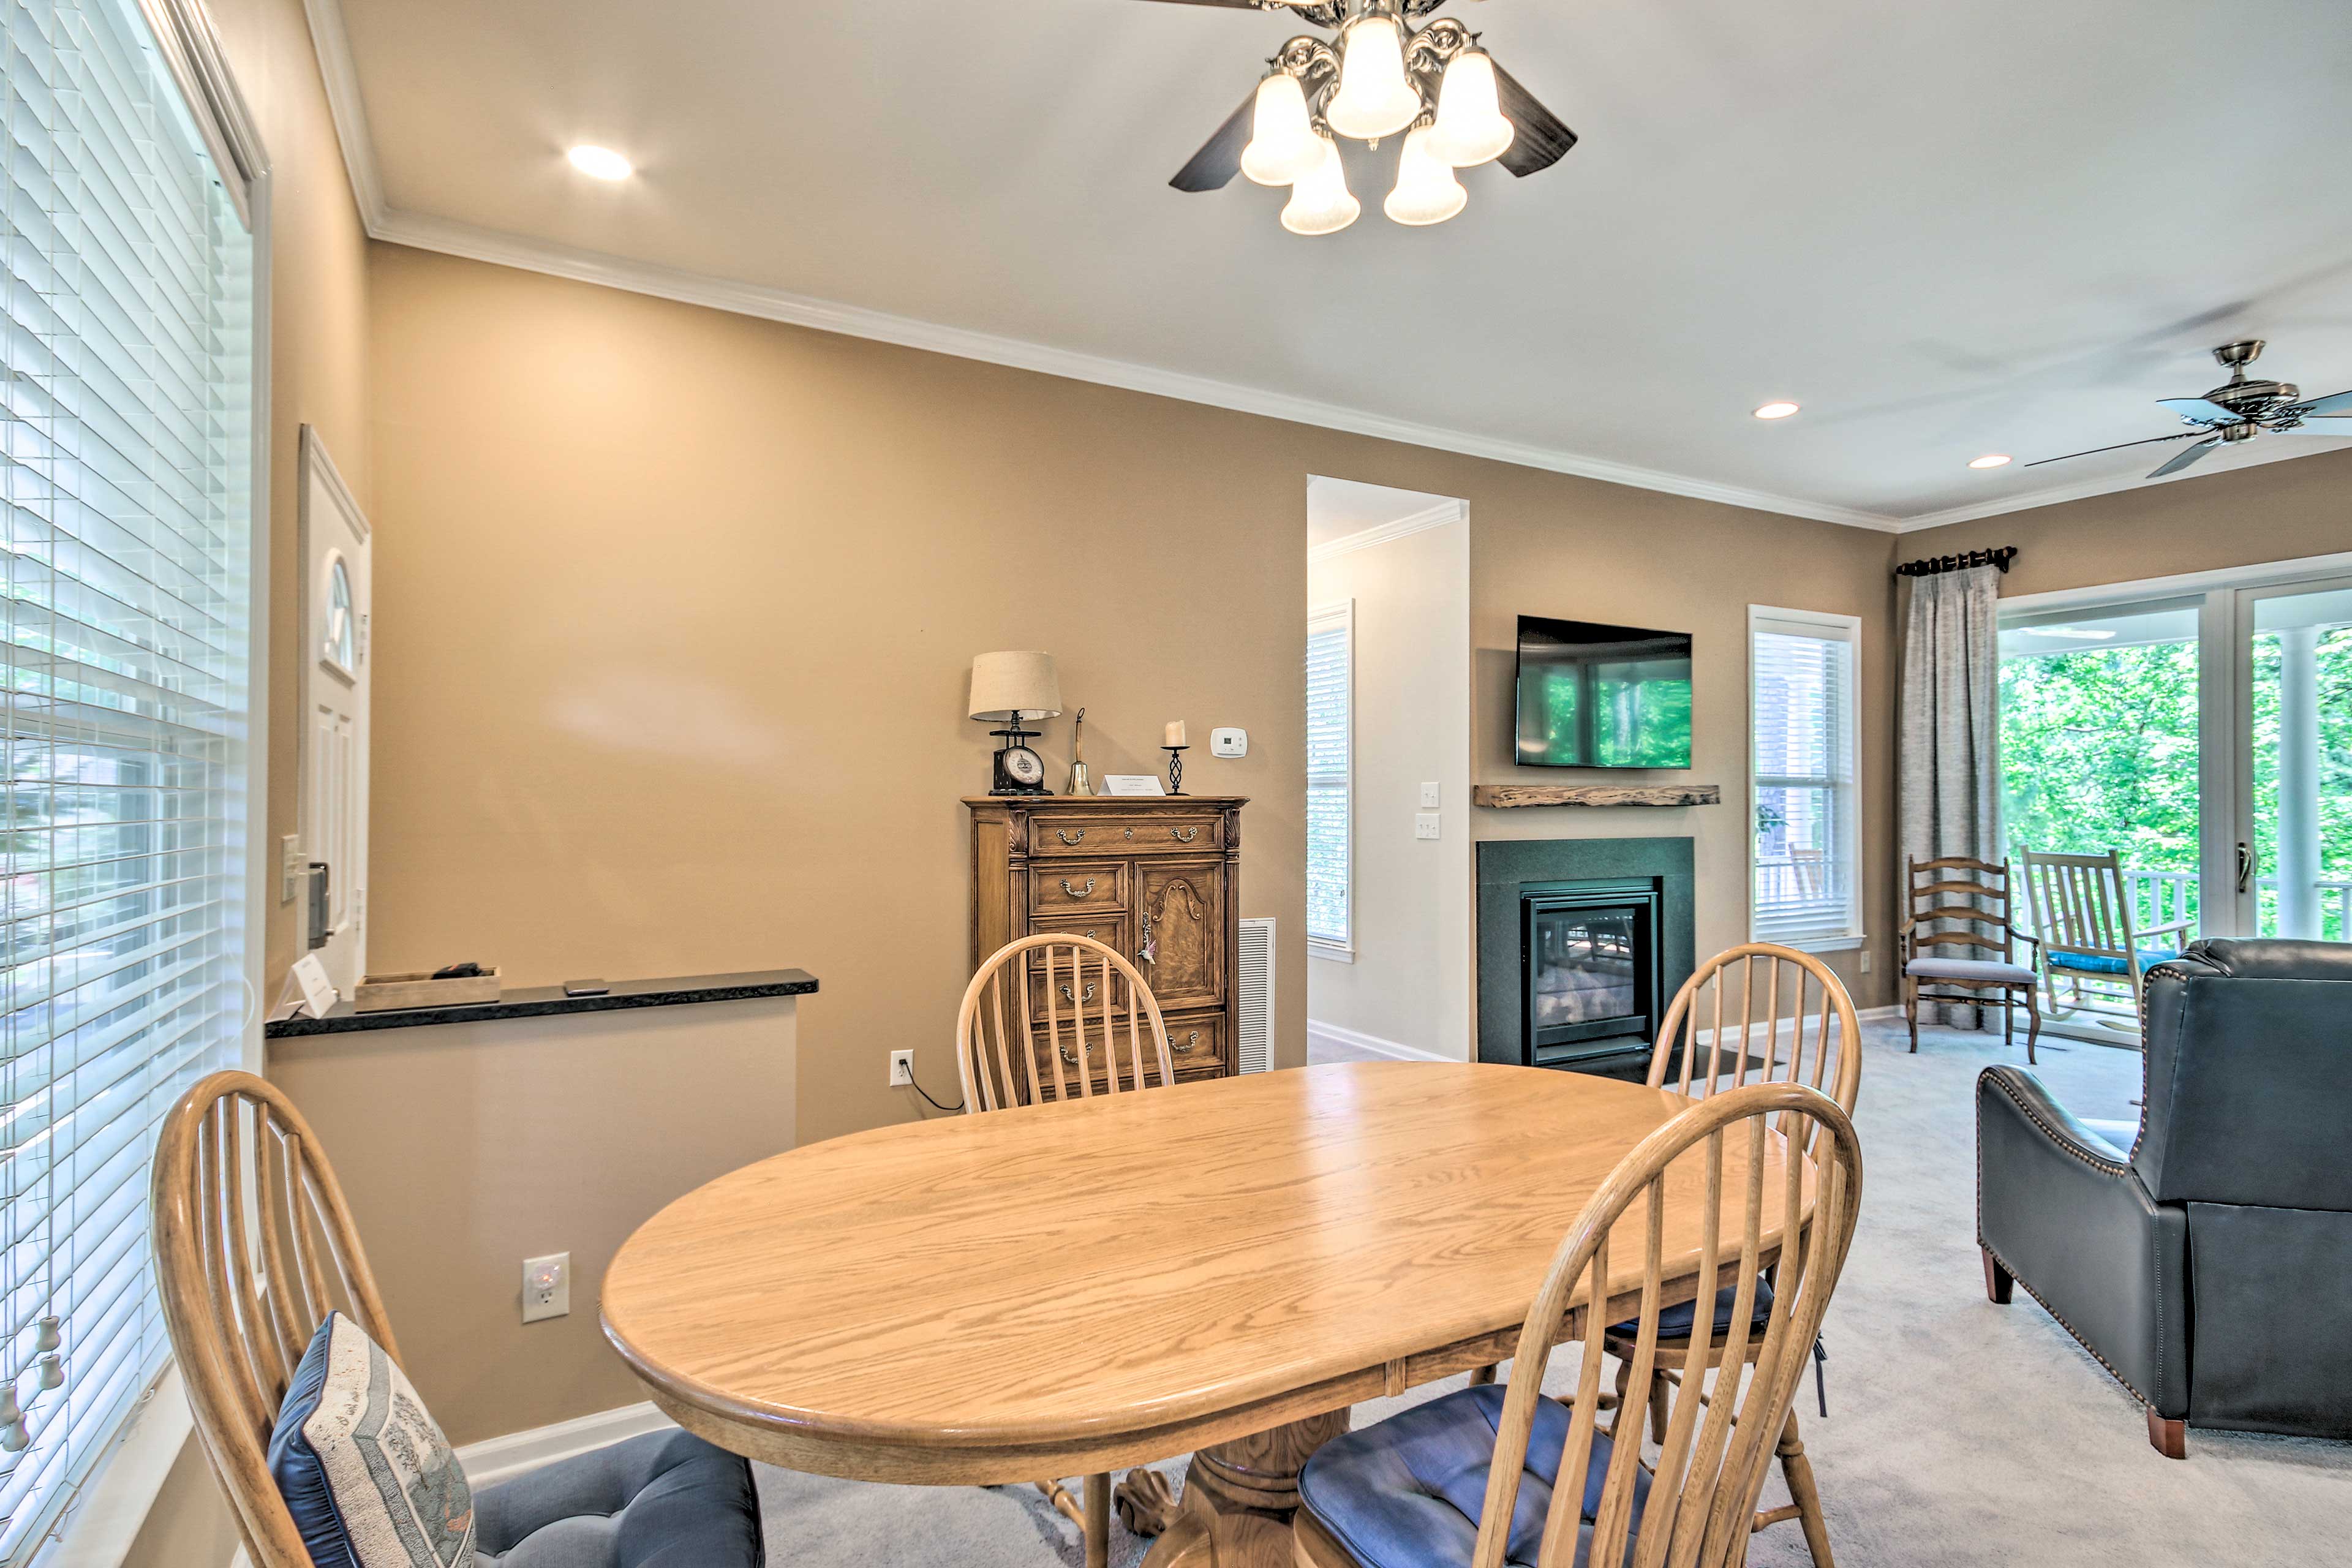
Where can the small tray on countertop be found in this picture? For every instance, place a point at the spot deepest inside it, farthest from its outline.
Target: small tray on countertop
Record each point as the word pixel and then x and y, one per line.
pixel 385 992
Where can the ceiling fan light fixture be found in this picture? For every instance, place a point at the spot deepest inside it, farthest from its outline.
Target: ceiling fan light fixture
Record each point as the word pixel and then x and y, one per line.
pixel 1991 460
pixel 1779 410
pixel 1426 191
pixel 1374 99
pixel 1283 147
pixel 1319 199
pixel 1470 128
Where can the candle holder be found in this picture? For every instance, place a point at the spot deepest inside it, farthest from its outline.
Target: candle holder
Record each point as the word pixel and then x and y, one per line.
pixel 1175 768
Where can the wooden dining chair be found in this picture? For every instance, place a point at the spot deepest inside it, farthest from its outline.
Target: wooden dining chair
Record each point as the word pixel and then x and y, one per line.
pixel 1750 996
pixel 1399 1494
pixel 1079 988
pixel 255 1247
pixel 2083 914
pixel 1098 1021
pixel 1968 904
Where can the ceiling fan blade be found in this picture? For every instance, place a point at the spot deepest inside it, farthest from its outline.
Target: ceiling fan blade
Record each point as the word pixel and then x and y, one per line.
pixel 2323 426
pixel 2182 459
pixel 1542 140
pixel 1213 168
pixel 2335 405
pixel 2152 440
pixel 1230 5
pixel 2197 410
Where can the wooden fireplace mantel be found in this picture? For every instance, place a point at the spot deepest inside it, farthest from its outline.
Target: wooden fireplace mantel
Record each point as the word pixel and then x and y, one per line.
pixel 1504 796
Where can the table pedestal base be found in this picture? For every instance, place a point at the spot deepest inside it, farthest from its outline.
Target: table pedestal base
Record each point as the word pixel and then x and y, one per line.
pixel 1238 1499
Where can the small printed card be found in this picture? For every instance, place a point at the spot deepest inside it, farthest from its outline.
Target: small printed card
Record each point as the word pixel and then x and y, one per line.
pixel 1133 783
pixel 318 991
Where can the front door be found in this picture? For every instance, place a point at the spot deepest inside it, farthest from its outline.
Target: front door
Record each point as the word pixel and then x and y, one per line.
pixel 336 582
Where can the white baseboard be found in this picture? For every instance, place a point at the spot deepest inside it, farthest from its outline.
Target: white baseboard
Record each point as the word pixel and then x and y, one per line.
pixel 496 1459
pixel 1880 1015
pixel 1355 1040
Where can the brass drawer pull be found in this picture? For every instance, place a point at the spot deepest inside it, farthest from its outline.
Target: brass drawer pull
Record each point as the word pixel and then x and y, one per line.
pixel 1067 997
pixel 1191 1039
pixel 1184 835
pixel 1078 893
pixel 1069 1056
pixel 1070 838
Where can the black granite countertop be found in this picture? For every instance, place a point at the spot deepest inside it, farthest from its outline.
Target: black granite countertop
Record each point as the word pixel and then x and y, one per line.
pixel 549 1001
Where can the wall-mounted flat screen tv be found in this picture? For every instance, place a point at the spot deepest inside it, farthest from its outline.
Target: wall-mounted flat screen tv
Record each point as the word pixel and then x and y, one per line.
pixel 1595 696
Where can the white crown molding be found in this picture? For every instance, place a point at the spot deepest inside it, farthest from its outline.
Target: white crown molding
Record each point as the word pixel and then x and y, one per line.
pixel 341 76
pixel 1428 517
pixel 2058 495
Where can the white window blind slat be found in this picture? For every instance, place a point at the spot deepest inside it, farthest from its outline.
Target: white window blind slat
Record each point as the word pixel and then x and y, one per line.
pixel 126 404
pixel 1803 714
pixel 1330 678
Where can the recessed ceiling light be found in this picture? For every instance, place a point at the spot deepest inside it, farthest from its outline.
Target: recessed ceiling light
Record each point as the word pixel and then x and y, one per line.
pixel 1989 460
pixel 601 163
pixel 1776 411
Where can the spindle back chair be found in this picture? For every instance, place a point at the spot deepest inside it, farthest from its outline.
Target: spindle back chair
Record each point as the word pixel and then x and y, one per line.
pixel 254 1247
pixel 1075 984
pixel 1795 994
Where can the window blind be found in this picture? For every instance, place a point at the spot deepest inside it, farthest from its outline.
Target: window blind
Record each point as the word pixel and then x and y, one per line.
pixel 126 298
pixel 1331 659
pixel 1802 712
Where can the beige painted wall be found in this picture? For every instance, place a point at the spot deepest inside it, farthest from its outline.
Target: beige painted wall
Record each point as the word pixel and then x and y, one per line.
pixel 1409 982
pixel 318 377
pixel 2242 517
pixel 1639 559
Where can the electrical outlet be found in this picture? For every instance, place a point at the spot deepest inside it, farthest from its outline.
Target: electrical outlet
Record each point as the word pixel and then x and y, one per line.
pixel 1424 825
pixel 1428 798
pixel 546 1287
pixel 902 1069
pixel 1865 960
pixel 290 866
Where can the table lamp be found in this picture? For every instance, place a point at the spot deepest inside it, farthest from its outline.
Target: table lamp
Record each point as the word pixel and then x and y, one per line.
pixel 1005 688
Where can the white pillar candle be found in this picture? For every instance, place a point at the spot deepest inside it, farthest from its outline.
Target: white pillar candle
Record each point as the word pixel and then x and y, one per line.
pixel 1175 733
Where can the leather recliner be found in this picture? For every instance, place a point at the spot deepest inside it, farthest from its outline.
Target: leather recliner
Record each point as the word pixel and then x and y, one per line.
pixel 2204 1257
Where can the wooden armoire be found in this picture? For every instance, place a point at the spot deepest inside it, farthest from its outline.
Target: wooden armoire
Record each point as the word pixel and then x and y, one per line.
pixel 1150 873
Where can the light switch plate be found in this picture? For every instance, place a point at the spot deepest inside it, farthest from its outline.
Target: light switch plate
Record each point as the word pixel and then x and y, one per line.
pixel 1428 798
pixel 546 1287
pixel 1229 742
pixel 290 866
pixel 1424 825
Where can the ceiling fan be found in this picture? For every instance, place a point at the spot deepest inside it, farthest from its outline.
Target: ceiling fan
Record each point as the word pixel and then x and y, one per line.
pixel 1378 77
pixel 2238 410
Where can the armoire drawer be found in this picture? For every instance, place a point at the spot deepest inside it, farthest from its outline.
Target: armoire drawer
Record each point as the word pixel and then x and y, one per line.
pixel 1155 832
pixel 1195 1049
pixel 1078 887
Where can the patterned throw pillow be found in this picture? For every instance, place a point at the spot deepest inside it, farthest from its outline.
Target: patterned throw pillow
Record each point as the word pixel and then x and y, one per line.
pixel 368 1477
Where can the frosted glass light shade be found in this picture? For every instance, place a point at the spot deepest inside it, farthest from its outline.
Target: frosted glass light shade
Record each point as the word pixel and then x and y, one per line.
pixel 1283 146
pixel 1374 99
pixel 1320 201
pixel 1470 126
pixel 1003 684
pixel 1426 191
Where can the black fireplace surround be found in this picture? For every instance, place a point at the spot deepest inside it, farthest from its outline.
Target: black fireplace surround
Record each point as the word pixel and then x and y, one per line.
pixel 1581 943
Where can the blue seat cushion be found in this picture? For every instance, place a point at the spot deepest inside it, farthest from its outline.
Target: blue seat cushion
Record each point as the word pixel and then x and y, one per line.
pixel 1675 1323
pixel 2098 963
pixel 1408 1492
pixel 664 1499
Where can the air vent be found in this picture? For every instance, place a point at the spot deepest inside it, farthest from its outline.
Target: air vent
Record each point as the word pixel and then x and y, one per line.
pixel 1254 1051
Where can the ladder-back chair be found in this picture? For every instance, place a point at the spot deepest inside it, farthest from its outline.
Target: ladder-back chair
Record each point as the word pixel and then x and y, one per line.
pixel 255 1247
pixel 1797 993
pixel 1059 1004
pixel 1094 1009
pixel 1975 896
pixel 1384 1497
pixel 2083 913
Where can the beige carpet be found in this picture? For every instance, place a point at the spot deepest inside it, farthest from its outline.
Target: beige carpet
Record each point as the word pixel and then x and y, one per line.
pixel 1959 1433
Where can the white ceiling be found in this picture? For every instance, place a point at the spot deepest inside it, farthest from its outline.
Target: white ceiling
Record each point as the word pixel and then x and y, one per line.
pixel 1946 229
pixel 1337 508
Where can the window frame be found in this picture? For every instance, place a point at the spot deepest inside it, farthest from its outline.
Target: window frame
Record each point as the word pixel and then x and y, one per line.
pixel 1341 614
pixel 1825 625
pixel 101 1519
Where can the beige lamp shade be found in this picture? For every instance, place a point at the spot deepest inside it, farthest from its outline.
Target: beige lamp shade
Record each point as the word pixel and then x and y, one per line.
pixel 1004 684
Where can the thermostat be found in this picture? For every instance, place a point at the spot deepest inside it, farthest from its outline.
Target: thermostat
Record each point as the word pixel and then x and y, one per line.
pixel 1229 742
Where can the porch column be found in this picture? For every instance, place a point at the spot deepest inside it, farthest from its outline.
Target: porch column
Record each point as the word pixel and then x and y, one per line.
pixel 2298 782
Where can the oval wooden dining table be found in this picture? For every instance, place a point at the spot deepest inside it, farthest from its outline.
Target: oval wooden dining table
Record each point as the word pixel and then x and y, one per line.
pixel 1061 1290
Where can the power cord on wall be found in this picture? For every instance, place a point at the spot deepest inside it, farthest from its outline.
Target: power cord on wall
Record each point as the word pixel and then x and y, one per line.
pixel 918 1089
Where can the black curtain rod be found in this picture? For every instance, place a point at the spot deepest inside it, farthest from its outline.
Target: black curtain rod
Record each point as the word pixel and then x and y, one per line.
pixel 2000 558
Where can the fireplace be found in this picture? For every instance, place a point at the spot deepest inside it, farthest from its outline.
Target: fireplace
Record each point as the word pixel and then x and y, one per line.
pixel 1581 943
pixel 1589 969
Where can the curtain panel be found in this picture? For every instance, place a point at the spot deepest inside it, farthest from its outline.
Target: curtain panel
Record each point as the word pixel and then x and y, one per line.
pixel 1949 780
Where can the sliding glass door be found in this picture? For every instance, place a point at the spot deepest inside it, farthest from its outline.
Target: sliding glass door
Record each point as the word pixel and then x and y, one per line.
pixel 2199 732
